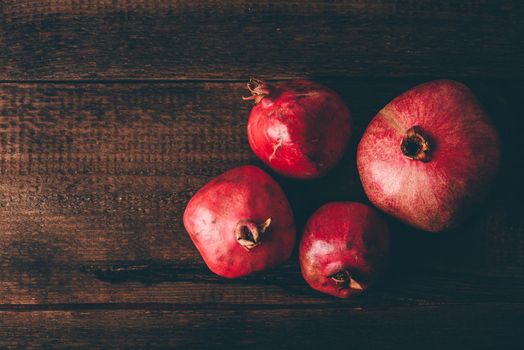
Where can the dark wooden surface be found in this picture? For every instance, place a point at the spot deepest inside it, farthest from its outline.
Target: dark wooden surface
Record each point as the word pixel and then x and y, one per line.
pixel 73 39
pixel 112 114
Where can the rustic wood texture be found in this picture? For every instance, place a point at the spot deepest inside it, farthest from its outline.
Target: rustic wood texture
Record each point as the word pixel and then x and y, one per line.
pixel 113 113
pixel 95 178
pixel 489 326
pixel 97 39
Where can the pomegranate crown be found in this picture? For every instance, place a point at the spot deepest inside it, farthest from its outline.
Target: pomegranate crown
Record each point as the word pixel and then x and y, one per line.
pixel 258 89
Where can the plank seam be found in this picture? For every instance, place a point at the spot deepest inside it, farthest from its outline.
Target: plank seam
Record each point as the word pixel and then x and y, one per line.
pixel 218 306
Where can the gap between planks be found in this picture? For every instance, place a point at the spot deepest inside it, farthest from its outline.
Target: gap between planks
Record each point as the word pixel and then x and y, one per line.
pixel 323 78
pixel 349 305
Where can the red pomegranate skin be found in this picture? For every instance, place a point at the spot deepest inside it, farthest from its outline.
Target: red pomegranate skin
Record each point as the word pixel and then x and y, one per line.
pixel 433 185
pixel 344 247
pixel 240 200
pixel 298 128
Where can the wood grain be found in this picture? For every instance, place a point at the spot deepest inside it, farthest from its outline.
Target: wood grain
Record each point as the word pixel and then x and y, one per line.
pixel 487 326
pixel 113 113
pixel 98 39
pixel 95 177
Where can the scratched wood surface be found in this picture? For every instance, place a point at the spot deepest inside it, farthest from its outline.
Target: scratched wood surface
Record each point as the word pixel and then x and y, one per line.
pixel 122 39
pixel 112 114
pixel 429 327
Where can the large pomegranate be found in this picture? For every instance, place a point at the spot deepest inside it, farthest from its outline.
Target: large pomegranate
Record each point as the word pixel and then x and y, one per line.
pixel 429 155
pixel 343 249
pixel 298 128
pixel 241 222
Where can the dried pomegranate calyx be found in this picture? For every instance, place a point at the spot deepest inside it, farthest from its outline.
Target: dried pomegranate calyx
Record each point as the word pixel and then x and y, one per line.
pixel 415 145
pixel 259 89
pixel 344 280
pixel 248 233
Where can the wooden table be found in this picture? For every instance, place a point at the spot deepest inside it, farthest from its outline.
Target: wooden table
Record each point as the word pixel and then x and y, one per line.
pixel 113 113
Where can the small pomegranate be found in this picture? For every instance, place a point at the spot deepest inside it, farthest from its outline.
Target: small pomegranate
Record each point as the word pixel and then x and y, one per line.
pixel 343 249
pixel 429 156
pixel 298 128
pixel 241 222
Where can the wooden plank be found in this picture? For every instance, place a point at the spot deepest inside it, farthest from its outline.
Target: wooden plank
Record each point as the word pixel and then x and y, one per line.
pixel 488 326
pixel 122 39
pixel 94 179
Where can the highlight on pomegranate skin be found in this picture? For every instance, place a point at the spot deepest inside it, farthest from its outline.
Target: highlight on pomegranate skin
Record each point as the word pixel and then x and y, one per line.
pixel 429 156
pixel 298 128
pixel 344 248
pixel 241 222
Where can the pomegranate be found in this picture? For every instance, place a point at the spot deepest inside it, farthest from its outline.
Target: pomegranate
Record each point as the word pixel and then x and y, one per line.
pixel 429 155
pixel 241 222
pixel 343 249
pixel 298 128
